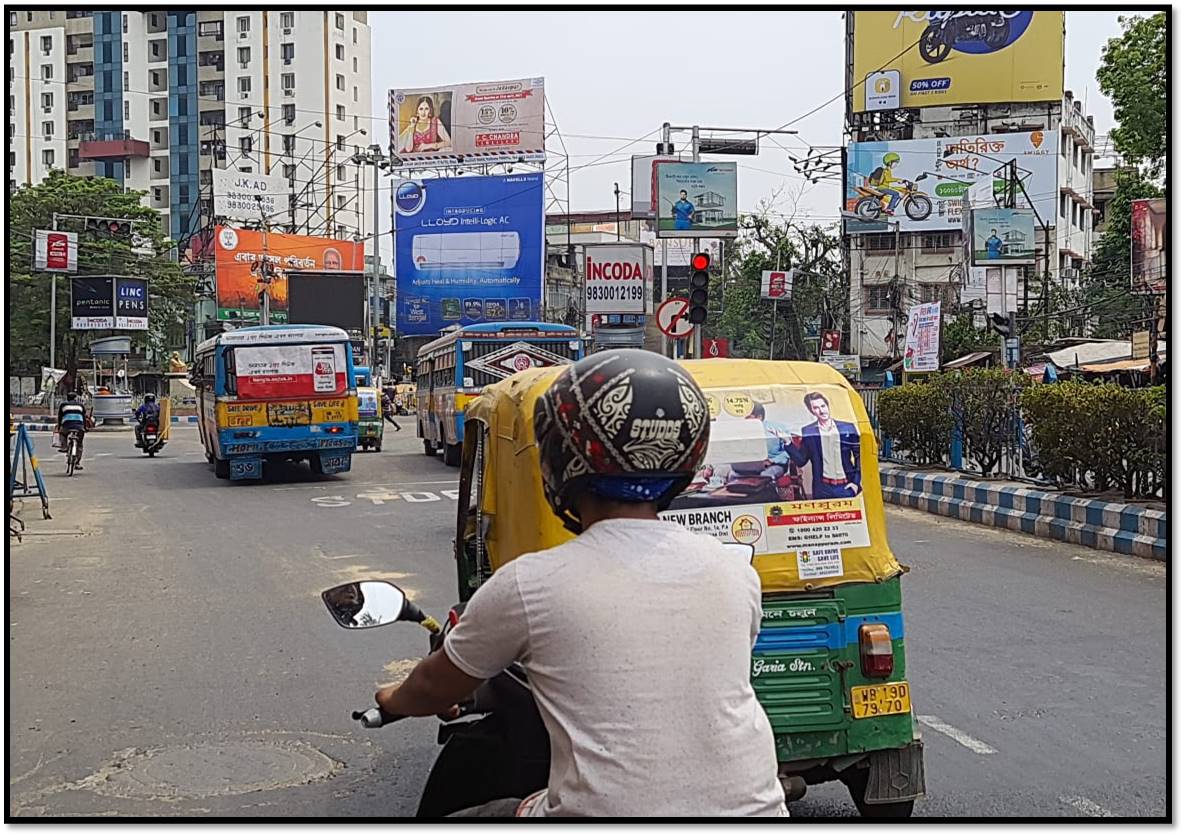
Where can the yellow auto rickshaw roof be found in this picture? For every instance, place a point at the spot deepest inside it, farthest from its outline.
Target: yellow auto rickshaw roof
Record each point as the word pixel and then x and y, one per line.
pixel 522 521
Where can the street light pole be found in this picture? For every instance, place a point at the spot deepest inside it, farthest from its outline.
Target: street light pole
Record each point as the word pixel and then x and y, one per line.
pixel 617 195
pixel 373 156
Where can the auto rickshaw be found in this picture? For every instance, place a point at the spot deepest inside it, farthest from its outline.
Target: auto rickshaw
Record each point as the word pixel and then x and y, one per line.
pixel 792 470
pixel 369 418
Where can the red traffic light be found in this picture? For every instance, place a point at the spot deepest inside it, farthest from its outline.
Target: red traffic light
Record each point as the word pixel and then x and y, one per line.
pixel 700 261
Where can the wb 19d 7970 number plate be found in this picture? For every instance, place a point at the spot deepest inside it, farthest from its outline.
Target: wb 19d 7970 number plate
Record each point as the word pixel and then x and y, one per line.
pixel 881 699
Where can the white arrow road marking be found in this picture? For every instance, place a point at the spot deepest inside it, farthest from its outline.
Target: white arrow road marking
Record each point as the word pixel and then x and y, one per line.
pixel 1086 806
pixel 965 739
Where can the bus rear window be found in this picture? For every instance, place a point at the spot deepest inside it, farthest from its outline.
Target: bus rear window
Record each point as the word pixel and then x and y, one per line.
pixel 290 371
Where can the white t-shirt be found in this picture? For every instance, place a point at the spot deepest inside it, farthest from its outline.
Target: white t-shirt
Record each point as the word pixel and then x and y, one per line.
pixel 637 640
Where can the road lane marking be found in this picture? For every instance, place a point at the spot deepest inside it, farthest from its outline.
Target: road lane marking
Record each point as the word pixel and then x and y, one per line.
pixel 1086 806
pixel 965 739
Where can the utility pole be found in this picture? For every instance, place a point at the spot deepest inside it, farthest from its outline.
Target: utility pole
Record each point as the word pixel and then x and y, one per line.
pixel 696 347
pixel 665 248
pixel 617 195
pixel 373 156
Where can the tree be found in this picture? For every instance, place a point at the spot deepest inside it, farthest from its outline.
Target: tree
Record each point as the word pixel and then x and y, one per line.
pixel 1106 291
pixel 959 337
pixel 819 293
pixel 170 292
pixel 1133 73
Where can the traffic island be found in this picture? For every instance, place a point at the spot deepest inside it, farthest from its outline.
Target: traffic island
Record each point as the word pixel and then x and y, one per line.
pixel 1125 527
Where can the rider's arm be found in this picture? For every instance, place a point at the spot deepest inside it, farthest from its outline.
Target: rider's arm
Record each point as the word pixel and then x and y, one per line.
pixel 491 635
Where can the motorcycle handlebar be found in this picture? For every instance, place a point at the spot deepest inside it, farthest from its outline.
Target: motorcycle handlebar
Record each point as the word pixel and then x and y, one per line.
pixel 375 717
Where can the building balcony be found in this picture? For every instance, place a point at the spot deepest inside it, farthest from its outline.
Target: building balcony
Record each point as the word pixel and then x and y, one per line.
pixel 81 54
pixel 78 83
pixel 115 145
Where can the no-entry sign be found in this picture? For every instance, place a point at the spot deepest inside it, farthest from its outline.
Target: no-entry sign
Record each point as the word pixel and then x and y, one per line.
pixel 672 317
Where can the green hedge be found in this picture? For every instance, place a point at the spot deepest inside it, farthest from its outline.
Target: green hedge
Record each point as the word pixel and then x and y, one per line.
pixel 1094 436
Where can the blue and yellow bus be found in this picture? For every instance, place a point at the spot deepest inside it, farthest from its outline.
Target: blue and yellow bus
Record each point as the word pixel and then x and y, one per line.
pixel 451 371
pixel 275 393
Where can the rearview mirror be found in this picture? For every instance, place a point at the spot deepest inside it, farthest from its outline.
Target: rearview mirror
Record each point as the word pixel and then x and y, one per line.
pixel 365 604
pixel 742 551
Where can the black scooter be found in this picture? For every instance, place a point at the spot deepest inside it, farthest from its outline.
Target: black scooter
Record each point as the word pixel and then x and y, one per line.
pixel 149 438
pixel 497 748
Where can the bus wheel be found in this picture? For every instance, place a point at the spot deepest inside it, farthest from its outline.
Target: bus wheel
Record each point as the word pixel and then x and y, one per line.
pixel 222 469
pixel 451 454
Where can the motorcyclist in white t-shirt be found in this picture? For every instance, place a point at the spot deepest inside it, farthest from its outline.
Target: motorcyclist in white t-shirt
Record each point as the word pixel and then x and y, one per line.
pixel 636 635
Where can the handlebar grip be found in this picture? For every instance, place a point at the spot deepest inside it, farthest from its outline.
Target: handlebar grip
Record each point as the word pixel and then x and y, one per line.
pixel 375 717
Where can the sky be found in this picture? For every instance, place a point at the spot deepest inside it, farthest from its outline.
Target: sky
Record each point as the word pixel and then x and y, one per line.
pixel 616 76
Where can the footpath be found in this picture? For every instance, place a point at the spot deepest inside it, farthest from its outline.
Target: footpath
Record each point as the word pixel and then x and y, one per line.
pixel 1127 528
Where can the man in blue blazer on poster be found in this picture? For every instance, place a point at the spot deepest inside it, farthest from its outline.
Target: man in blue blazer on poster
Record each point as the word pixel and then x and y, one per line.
pixel 831 448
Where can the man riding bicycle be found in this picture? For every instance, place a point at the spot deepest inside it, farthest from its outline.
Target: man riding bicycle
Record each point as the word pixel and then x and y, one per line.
pixel 72 417
pixel 881 179
pixel 147 412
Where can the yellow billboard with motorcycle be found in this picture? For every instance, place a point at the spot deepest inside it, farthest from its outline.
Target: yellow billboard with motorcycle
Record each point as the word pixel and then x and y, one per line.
pixel 914 59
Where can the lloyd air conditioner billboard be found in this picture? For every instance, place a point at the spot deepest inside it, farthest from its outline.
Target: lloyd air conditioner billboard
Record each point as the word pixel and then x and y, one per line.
pixel 619 278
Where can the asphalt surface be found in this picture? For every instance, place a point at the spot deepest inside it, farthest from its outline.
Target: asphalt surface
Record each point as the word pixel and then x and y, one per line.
pixel 169 654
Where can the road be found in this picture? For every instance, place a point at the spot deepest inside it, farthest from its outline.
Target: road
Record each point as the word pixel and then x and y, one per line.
pixel 169 654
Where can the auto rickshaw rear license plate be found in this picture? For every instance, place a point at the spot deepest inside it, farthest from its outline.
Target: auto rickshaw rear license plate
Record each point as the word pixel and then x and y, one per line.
pixel 881 699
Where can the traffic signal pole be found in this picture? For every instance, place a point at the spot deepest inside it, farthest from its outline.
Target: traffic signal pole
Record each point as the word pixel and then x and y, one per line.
pixel 697 333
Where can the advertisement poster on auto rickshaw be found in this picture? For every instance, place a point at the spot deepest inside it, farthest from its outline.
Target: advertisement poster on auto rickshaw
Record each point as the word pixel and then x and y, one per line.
pixel 782 473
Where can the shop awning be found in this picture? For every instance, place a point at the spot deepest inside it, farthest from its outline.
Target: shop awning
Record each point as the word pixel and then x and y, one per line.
pixel 968 360
pixel 1127 365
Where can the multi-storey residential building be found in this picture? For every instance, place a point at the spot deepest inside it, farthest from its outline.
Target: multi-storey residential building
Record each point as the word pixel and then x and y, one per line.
pixel 158 99
pixel 930 266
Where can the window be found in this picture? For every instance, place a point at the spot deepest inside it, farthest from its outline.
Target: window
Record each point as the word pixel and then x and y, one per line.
pixel 46 72
pixel 246 169
pixel 289 144
pixel 339 21
pixel 244 55
pixel 355 92
pixel 47 44
pixel 245 144
pixel 339 52
pixel 879 242
pixel 244 84
pixel 127 113
pixel 939 242
pixel 244 24
pixel 125 24
pixel 287 52
pixel 47 129
pixel 289 114
pixel 355 34
pixel 1064 206
pixel 73 158
pixel 289 171
pixel 286 20
pixel 244 116
pixel 341 112
pixel 210 27
pixel 125 51
pixel 127 84
pixel 341 172
pixel 936 293
pixel 155 76
pixel 46 100
pixel 288 81
pixel 47 156
pixel 355 63
pixel 877 298
pixel 340 143
pixel 340 81
pixel 340 201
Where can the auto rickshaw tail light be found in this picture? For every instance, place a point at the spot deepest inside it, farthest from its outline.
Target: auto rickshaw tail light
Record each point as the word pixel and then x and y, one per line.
pixel 875 650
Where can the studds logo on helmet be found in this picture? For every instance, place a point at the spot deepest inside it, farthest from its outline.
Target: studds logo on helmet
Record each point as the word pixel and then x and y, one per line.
pixel 655 429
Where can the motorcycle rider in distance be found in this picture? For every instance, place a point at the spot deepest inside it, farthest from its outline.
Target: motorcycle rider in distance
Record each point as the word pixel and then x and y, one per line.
pixel 881 179
pixel 147 412
pixel 72 416
pixel 636 635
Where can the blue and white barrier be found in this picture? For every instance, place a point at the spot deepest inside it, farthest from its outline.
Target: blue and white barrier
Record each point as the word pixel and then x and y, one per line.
pixel 1128 528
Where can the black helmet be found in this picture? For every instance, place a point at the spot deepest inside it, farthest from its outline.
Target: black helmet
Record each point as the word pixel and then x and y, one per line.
pixel 72 396
pixel 624 424
pixel 150 396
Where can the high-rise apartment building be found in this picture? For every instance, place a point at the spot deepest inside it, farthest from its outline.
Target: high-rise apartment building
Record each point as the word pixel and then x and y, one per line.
pixel 158 99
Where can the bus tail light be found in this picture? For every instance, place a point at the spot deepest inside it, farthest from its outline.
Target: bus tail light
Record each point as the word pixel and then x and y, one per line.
pixel 875 650
pixel 334 429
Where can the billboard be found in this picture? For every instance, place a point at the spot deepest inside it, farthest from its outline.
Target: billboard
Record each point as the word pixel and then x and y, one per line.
pixel 925 58
pixel 921 182
pixel 468 250
pixel 239 253
pixel 641 185
pixel 695 200
pixel 334 298
pixel 777 284
pixel 1148 235
pixel 131 303
pixel 618 278
pixel 921 338
pixel 92 302
pixel 1003 236
pixel 248 197
pixel 483 122
pixel 55 252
